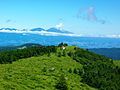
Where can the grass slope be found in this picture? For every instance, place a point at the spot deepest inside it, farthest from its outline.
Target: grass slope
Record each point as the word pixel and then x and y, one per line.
pixel 40 73
pixel 117 62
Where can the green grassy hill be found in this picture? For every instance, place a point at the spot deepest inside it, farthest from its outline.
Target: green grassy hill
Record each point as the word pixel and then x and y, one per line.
pixel 57 68
pixel 41 73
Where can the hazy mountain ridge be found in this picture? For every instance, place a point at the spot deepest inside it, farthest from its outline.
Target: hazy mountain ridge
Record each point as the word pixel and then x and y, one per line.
pixel 15 39
pixel 55 30
pixel 113 53
pixel 27 45
pixel 53 36
pixel 59 31
pixel 37 29
pixel 8 29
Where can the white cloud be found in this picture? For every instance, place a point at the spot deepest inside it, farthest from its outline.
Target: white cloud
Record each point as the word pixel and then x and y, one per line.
pixel 90 15
pixel 26 32
pixel 7 21
pixel 105 36
pixel 60 26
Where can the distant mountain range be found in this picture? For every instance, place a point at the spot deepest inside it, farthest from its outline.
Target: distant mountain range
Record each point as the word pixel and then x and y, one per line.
pixel 58 31
pixel 53 36
pixel 113 53
pixel 37 29
pixel 12 36
pixel 8 29
pixel 53 32
pixel 40 31
pixel 26 45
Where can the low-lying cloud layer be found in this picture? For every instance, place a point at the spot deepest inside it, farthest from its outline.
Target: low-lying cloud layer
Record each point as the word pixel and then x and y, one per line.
pixel 45 32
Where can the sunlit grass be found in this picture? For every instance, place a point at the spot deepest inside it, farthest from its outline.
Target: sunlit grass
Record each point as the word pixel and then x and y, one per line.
pixel 40 73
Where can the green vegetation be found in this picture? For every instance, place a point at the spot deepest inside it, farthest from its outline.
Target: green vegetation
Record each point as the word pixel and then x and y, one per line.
pixel 14 55
pixel 117 62
pixel 57 68
pixel 99 71
pixel 62 44
pixel 62 85
pixel 40 73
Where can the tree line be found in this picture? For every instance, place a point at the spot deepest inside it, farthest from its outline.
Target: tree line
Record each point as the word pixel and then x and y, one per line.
pixel 14 55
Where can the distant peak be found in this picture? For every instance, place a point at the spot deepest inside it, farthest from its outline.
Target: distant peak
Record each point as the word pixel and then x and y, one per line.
pixel 8 29
pixel 37 29
pixel 40 31
pixel 58 30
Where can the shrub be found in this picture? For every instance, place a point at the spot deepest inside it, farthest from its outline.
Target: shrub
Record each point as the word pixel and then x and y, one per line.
pixel 70 70
pixel 61 85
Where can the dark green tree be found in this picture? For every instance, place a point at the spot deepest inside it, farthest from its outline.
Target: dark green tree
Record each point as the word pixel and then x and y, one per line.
pixel 75 71
pixel 64 53
pixel 61 84
pixel 59 54
pixel 61 44
pixel 70 70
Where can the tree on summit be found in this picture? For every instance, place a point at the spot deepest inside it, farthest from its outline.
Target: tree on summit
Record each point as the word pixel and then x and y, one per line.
pixel 62 44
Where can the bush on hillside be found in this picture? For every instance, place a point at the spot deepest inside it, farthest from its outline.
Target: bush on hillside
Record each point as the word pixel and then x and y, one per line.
pixel 61 84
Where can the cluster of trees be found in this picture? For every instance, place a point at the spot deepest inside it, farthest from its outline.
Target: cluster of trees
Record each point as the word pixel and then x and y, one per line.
pixel 13 55
pixel 98 71
pixel 62 53
pixel 76 71
pixel 62 84
pixel 62 44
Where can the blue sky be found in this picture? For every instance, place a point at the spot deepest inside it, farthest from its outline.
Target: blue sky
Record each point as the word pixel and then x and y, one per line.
pixel 88 17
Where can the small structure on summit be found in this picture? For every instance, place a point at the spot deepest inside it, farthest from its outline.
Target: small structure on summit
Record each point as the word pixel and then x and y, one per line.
pixel 63 46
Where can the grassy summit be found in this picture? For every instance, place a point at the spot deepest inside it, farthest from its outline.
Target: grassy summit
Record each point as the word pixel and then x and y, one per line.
pixel 41 73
